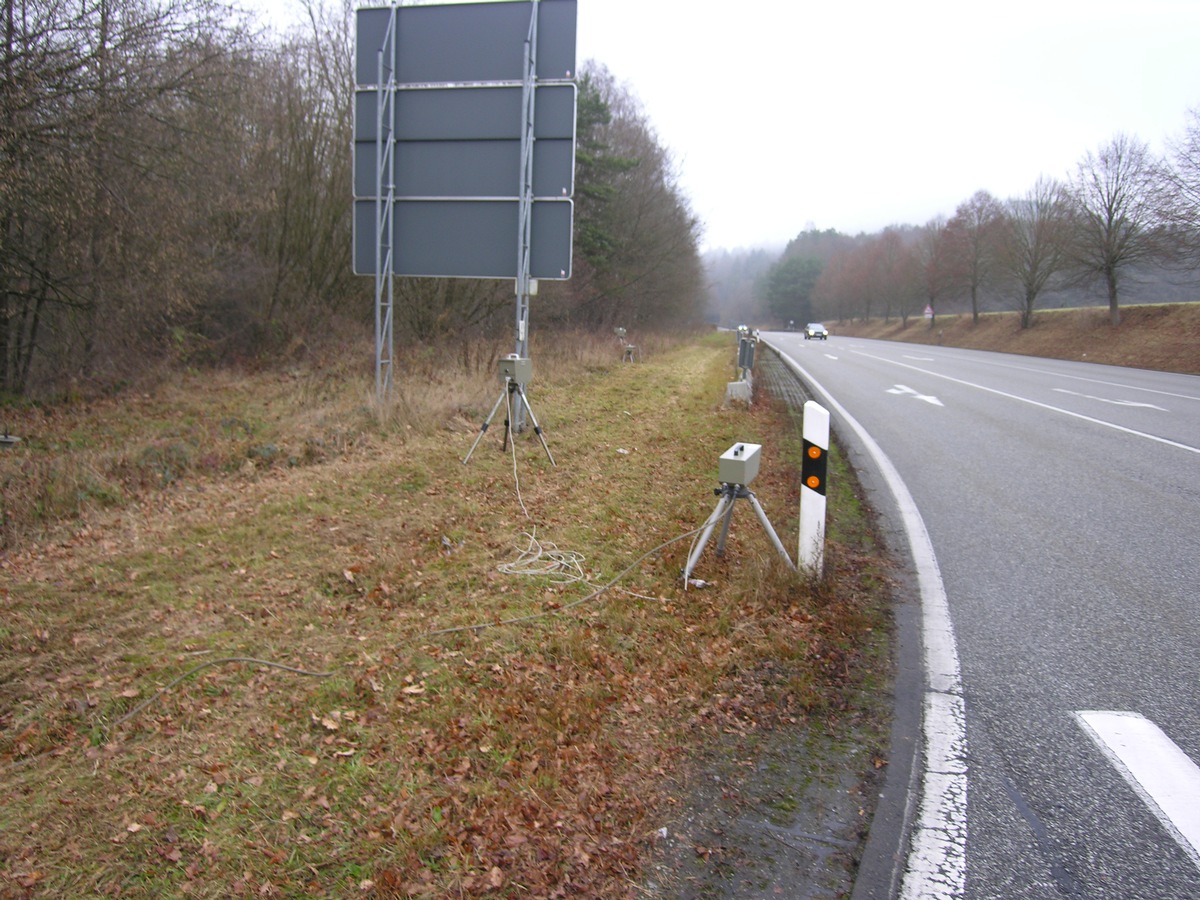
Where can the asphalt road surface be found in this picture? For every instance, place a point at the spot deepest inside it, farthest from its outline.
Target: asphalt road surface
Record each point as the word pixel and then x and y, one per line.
pixel 1052 517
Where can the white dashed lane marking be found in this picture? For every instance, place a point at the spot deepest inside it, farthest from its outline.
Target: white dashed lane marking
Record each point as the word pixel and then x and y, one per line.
pixel 1158 771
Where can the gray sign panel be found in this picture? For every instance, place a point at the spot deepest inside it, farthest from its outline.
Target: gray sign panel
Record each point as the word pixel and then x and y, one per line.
pixel 466 142
pixel 468 113
pixel 430 169
pixel 467 42
pixel 466 238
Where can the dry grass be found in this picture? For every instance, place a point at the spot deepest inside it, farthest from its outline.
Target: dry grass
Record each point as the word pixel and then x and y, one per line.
pixel 103 452
pixel 154 744
pixel 1164 337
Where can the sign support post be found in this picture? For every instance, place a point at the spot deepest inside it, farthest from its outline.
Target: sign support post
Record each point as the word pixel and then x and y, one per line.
pixel 525 208
pixel 449 164
pixel 385 201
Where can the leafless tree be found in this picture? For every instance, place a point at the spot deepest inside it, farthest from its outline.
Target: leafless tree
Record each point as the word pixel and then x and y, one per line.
pixel 838 293
pixel 974 235
pixel 1116 216
pixel 295 130
pixel 428 309
pixel 852 284
pixel 895 273
pixel 1036 241
pixel 39 177
pixel 96 179
pixel 150 67
pixel 1179 189
pixel 934 261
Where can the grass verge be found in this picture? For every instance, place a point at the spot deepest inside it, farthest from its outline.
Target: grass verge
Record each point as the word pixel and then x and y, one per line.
pixel 1163 337
pixel 290 673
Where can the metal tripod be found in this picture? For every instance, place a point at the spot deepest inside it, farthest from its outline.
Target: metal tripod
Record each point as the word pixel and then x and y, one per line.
pixel 728 493
pixel 510 387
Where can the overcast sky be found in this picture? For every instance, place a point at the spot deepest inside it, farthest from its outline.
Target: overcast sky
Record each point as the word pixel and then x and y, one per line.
pixel 855 115
pixel 789 114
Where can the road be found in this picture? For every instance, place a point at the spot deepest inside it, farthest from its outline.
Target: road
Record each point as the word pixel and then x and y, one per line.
pixel 1053 519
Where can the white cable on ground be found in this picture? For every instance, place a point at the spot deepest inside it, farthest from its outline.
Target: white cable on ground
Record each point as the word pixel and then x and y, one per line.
pixel 544 558
pixel 520 620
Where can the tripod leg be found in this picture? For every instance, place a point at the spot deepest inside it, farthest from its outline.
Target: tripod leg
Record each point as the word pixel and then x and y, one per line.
pixel 725 524
pixel 483 428
pixel 704 536
pixel 766 523
pixel 510 417
pixel 537 429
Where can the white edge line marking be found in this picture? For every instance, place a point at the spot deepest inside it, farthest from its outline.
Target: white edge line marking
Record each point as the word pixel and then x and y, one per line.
pixel 1167 781
pixel 936 864
pixel 1057 409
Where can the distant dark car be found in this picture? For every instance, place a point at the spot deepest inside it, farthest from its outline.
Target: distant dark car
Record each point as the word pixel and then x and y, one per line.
pixel 815 330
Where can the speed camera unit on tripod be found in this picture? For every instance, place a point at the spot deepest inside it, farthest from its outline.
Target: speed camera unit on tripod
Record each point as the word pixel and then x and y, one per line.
pixel 517 369
pixel 736 468
pixel 739 464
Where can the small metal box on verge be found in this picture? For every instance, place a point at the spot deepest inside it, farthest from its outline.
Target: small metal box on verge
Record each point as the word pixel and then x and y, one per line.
pixel 516 368
pixel 739 464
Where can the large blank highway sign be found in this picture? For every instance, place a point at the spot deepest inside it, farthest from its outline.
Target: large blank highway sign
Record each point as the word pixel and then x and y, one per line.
pixel 456 162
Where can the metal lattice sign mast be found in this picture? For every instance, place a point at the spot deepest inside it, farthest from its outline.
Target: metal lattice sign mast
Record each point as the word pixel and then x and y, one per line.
pixel 525 210
pixel 385 194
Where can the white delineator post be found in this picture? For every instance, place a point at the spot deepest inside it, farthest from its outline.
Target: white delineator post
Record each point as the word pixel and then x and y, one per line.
pixel 811 553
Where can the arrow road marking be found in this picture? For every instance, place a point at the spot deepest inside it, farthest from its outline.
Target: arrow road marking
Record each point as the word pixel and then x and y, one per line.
pixel 905 389
pixel 1106 400
pixel 1039 404
pixel 1158 771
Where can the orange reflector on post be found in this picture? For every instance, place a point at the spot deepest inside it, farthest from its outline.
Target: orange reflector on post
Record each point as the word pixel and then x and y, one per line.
pixel 813 466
